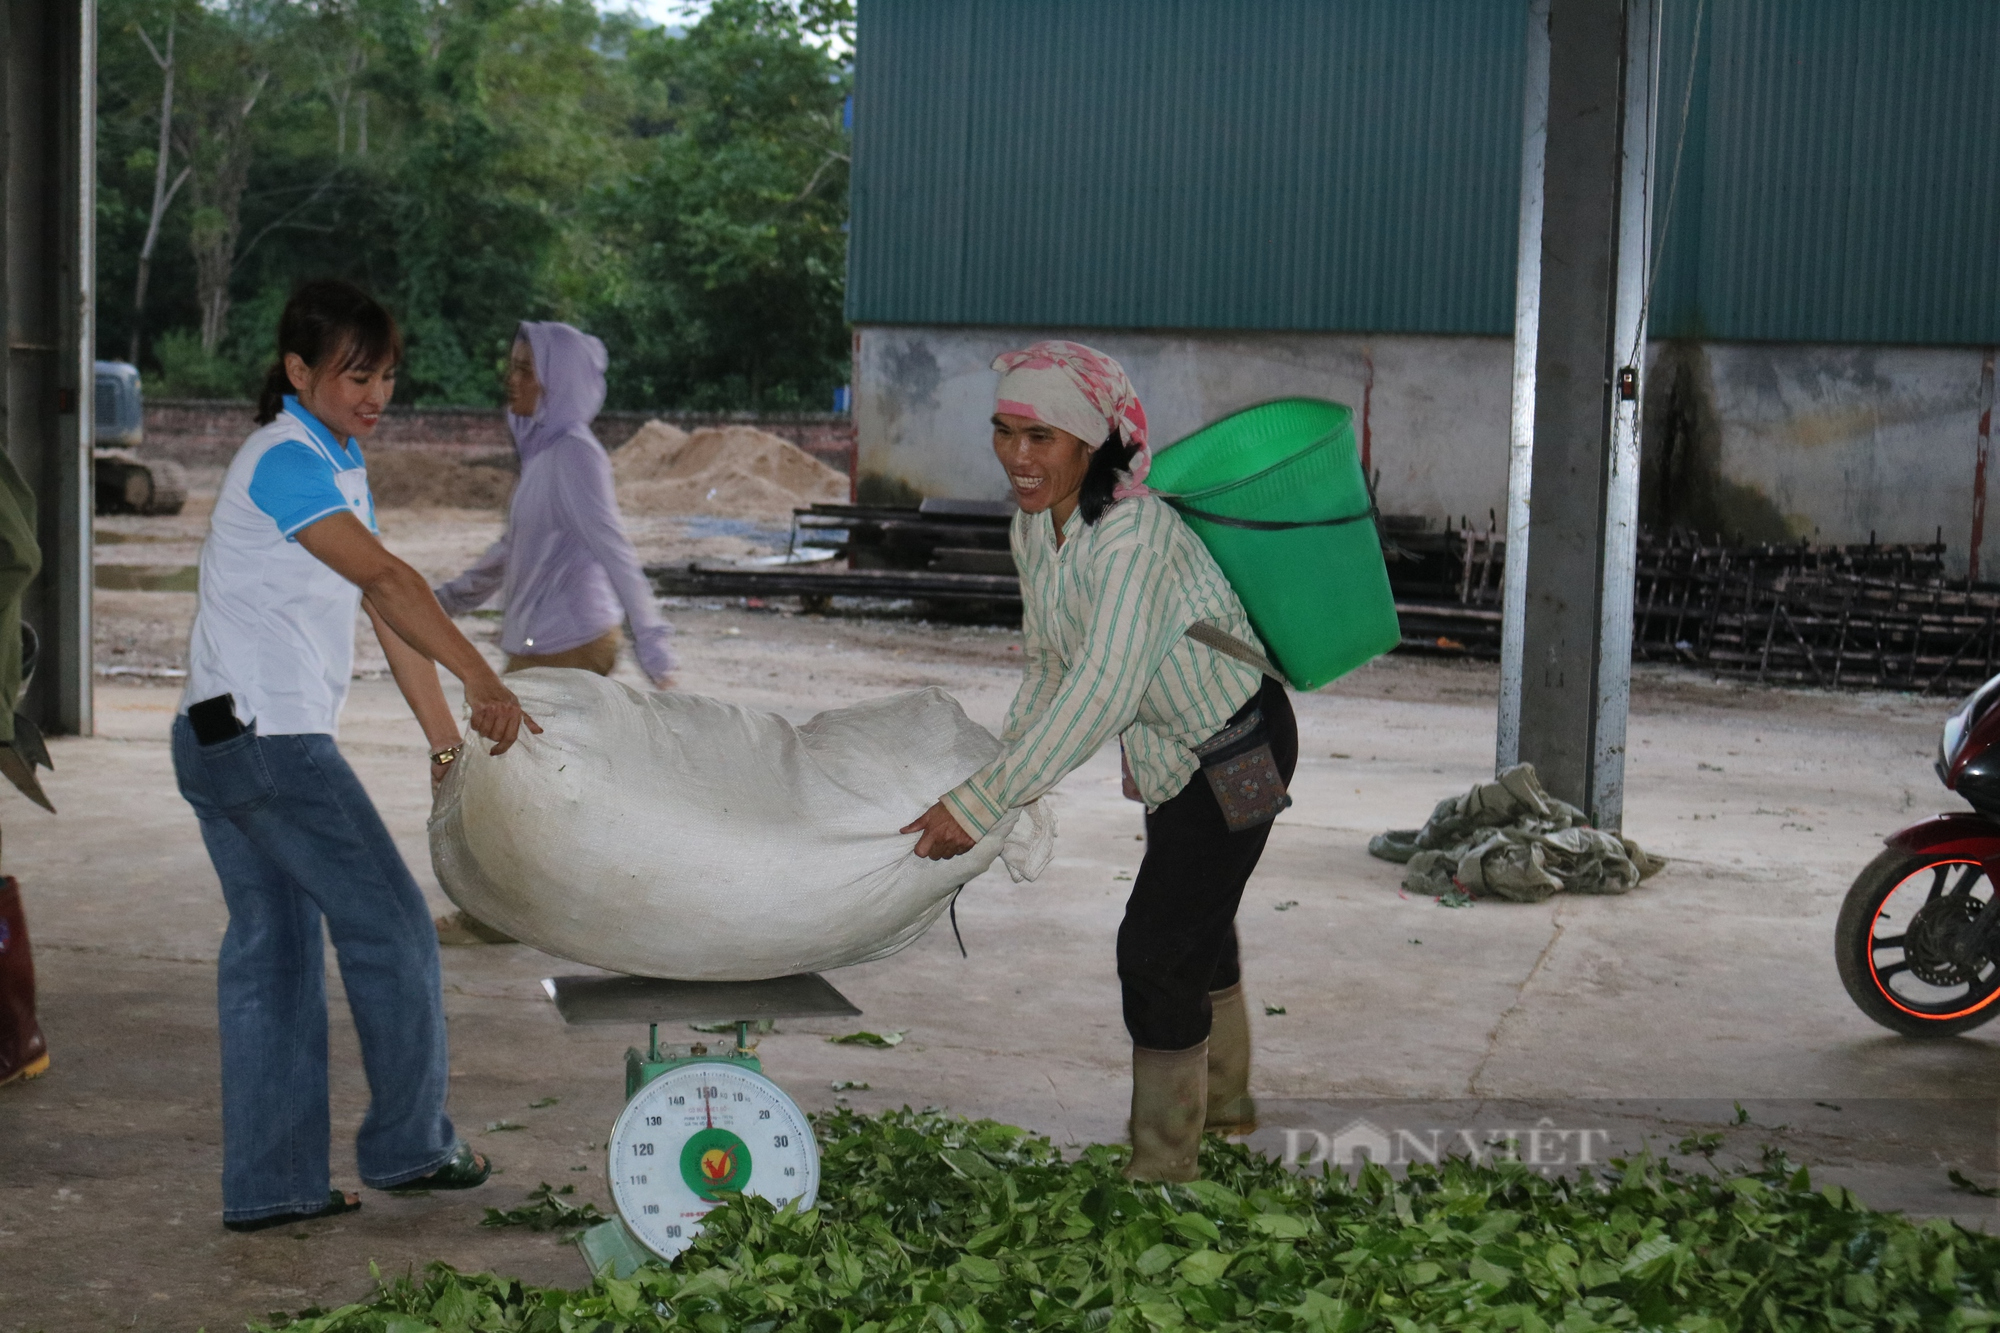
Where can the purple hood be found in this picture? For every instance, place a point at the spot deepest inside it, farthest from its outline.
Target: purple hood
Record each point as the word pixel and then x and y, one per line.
pixel 570 365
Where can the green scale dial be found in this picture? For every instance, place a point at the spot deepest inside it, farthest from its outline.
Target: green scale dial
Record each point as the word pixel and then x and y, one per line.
pixel 696 1131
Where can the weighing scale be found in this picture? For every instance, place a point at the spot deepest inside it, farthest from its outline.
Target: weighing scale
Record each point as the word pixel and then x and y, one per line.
pixel 699 1125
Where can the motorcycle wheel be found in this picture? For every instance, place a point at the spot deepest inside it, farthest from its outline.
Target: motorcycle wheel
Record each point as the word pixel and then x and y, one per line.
pixel 1891 944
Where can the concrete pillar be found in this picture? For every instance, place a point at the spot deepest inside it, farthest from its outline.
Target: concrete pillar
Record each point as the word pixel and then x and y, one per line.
pixel 48 99
pixel 1568 679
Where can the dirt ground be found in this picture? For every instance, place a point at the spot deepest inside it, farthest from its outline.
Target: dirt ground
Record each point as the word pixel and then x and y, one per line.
pixel 1649 1016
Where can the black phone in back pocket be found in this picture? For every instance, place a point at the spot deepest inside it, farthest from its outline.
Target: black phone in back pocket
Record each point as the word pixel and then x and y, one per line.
pixel 214 720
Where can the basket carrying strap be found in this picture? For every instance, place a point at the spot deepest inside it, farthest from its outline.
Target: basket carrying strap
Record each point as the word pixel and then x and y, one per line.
pixel 1214 636
pixel 1267 525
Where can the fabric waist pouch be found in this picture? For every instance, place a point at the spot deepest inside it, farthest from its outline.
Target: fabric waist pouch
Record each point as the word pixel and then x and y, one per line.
pixel 1243 773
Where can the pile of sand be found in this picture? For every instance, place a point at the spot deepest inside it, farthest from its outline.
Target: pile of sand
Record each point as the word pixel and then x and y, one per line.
pixel 414 478
pixel 726 471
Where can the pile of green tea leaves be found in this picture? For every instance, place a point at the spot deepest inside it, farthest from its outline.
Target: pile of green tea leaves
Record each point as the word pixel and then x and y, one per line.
pixel 931 1222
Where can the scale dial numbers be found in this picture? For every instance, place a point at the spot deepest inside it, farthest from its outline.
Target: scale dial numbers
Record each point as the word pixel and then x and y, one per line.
pixel 697 1134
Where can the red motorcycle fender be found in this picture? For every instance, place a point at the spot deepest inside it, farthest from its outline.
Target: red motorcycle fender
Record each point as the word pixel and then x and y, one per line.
pixel 1960 835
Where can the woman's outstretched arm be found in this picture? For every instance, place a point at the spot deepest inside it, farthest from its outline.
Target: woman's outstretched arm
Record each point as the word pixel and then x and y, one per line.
pixel 404 600
pixel 471 590
pixel 417 677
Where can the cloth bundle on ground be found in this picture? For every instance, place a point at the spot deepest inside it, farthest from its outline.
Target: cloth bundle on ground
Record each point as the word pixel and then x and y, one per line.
pixel 1510 839
pixel 673 835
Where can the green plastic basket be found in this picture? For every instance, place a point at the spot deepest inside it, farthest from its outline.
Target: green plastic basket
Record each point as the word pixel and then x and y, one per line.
pixel 1309 568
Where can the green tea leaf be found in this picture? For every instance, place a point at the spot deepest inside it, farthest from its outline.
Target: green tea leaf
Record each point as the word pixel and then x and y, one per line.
pixel 876 1039
pixel 1215 1197
pixel 1646 1251
pixel 1203 1267
pixel 1284 1226
pixel 1596 1273
pixel 972 1268
pixel 546 1209
pixel 968 1163
pixel 1961 1181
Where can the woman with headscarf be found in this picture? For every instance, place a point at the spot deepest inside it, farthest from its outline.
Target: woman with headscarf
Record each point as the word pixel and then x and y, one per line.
pixel 1112 581
pixel 565 570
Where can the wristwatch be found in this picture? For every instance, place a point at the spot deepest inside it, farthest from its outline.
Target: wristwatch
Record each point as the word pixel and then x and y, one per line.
pixel 448 755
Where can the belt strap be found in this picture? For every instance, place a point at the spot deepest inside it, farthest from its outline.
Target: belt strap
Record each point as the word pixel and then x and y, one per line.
pixel 1222 641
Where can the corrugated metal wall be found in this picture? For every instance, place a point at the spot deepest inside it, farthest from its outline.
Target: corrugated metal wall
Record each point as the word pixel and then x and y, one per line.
pixel 1350 165
pixel 1841 175
pixel 1278 164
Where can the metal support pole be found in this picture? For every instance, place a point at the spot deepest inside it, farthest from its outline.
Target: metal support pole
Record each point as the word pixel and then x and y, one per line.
pixel 48 110
pixel 1521 441
pixel 1575 625
pixel 1621 491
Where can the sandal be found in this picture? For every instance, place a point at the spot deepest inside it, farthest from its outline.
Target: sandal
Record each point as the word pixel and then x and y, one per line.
pixel 336 1204
pixel 465 1170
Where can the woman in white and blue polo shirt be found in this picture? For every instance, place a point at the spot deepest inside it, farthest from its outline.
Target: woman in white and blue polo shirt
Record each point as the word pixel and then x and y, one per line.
pixel 291 552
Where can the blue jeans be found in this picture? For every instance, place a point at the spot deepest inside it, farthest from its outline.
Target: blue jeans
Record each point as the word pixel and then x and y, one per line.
pixel 295 840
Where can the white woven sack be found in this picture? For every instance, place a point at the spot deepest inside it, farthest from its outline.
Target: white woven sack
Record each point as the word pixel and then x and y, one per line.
pixel 673 835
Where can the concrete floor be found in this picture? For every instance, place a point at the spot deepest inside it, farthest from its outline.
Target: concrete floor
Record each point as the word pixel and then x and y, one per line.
pixel 1653 1013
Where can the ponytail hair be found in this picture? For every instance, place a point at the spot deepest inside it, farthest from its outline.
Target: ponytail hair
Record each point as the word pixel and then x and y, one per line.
pixel 1106 462
pixel 332 326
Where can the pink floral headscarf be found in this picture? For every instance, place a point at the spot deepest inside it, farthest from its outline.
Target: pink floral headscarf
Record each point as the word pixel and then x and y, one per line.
pixel 1080 390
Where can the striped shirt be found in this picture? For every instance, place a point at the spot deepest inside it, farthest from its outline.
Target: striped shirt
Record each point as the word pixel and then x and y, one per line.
pixel 1104 619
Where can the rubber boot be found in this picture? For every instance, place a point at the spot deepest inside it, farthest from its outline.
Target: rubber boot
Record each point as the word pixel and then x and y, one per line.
pixel 1169 1093
pixel 23 1053
pixel 1231 1109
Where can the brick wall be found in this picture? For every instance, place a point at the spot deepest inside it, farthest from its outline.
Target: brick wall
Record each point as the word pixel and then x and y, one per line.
pixel 205 431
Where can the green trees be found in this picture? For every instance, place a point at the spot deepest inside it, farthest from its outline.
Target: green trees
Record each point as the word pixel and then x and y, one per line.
pixel 478 162
pixel 730 232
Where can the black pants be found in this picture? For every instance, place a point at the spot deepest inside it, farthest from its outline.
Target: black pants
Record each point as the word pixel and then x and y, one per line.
pixel 1178 939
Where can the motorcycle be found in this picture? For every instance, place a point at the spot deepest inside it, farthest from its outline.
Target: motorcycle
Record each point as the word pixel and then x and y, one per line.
pixel 1918 939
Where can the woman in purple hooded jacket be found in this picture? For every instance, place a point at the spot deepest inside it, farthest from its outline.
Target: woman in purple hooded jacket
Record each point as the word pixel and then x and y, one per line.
pixel 565 571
